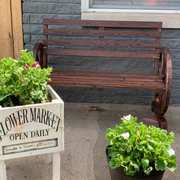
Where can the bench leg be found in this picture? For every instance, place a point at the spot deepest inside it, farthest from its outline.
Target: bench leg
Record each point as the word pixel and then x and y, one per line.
pixel 3 170
pixel 56 166
pixel 161 119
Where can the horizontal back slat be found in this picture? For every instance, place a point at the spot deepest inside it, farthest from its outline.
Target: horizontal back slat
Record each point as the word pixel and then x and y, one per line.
pixel 130 34
pixel 92 23
pixel 87 43
pixel 96 53
pixel 106 73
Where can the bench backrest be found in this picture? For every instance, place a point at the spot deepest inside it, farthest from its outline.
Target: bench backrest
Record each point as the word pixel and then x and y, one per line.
pixel 126 33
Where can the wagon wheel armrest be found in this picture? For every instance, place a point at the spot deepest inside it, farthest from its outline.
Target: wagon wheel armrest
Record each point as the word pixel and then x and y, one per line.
pixel 37 53
pixel 165 71
pixel 165 64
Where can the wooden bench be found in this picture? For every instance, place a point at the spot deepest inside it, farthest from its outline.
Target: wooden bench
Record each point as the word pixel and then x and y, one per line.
pixel 159 80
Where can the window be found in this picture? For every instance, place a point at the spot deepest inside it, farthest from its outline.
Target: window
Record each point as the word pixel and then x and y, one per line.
pixel 166 11
pixel 136 4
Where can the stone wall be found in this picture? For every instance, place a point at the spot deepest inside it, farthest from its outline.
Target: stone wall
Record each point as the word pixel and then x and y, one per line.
pixel 33 13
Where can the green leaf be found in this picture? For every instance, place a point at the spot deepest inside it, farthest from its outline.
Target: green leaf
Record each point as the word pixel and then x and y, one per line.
pixel 162 137
pixel 8 102
pixel 112 165
pixel 171 166
pixel 143 142
pixel 173 157
pixel 161 164
pixel 145 162
pixel 140 147
pixel 25 82
pixel 148 170
pixel 20 69
pixel 36 94
pixel 152 143
pixel 134 163
pixel 3 96
pixel 150 148
pixel 127 170
pixel 114 154
pixel 128 149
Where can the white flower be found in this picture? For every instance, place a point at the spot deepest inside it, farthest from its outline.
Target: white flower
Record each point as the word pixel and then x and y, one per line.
pixel 171 152
pixel 128 117
pixel 126 135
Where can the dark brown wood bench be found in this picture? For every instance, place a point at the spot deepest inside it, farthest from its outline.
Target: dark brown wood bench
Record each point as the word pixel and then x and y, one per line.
pixel 160 80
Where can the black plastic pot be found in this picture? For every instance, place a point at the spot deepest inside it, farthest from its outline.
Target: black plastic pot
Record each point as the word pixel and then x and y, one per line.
pixel 119 174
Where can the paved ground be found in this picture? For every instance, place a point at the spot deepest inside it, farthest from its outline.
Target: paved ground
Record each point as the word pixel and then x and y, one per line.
pixel 84 156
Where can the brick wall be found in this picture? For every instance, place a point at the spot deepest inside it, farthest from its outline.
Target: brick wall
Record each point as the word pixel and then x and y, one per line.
pixel 33 13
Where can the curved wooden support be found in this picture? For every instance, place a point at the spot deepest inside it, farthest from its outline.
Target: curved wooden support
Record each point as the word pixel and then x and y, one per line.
pixel 161 102
pixel 37 53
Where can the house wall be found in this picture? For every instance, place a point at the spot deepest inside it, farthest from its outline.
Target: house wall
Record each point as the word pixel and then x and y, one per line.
pixel 33 13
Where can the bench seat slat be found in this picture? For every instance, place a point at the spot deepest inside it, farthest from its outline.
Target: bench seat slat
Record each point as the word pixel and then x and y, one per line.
pixel 123 54
pixel 98 80
pixel 94 84
pixel 92 23
pixel 95 33
pixel 87 43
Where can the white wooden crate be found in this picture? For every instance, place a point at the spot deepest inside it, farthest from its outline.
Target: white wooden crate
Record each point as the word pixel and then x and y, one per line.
pixel 32 130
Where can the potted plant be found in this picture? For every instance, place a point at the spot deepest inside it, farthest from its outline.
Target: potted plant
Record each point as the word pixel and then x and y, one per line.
pixel 22 81
pixel 31 112
pixel 137 151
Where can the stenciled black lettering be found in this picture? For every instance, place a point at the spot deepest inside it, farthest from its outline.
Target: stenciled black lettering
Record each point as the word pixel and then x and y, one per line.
pixel 25 135
pixel 57 127
pixel 25 119
pixel 47 122
pixel 43 115
pixel 0 138
pixel 47 131
pixel 53 120
pixel 20 136
pixel 8 124
pixel 11 137
pixel 33 115
pixel 2 127
pixel 13 120
pixel 32 134
pixel 19 117
pixel 37 133
pixel 16 136
pixel 39 115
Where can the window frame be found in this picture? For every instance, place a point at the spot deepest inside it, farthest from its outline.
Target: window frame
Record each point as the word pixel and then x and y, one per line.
pixel 169 18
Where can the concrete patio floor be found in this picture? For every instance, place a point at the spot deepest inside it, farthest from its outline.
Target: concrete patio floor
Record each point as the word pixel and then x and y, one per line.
pixel 84 156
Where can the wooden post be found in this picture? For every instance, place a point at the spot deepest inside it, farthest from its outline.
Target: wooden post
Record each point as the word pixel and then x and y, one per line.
pixel 3 170
pixel 56 166
pixel 17 27
pixel 6 37
pixel 11 33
